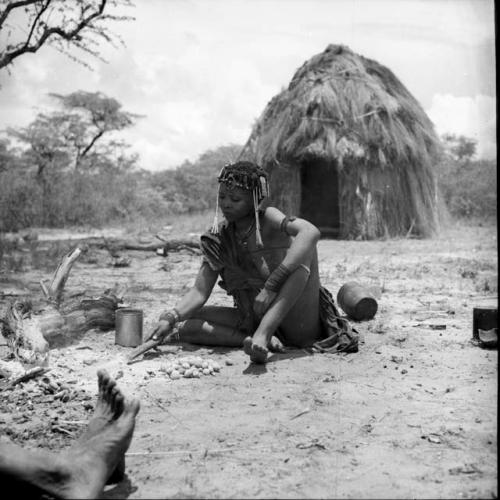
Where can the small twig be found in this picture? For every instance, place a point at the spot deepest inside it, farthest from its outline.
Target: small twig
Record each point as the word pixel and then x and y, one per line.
pixel 303 412
pixel 161 238
pixel 35 372
pixel 62 430
pixel 73 422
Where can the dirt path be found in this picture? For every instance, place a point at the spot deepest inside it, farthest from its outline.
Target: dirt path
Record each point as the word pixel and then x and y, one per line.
pixel 413 414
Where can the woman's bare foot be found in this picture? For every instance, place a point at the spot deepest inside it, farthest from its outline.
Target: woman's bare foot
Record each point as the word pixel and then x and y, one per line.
pixel 82 470
pixel 257 351
pixel 275 345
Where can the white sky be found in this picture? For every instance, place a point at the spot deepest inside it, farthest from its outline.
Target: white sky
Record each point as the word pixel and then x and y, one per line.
pixel 202 71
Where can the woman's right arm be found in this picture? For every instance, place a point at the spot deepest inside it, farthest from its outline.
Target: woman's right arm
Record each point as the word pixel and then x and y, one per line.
pixel 199 293
pixel 194 298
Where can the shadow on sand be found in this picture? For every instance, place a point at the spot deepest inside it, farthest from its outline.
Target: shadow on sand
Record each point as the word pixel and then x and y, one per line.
pixel 259 369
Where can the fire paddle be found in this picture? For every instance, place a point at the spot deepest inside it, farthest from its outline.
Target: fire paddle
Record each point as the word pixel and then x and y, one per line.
pixel 149 344
pixel 141 349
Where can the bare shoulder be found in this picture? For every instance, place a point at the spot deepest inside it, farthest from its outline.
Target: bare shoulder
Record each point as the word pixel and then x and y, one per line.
pixel 273 216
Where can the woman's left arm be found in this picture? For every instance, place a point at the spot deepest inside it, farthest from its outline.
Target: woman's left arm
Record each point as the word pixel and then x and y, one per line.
pixel 305 237
pixel 300 253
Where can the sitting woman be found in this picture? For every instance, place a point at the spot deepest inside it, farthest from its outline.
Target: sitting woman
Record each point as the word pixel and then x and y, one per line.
pixel 268 263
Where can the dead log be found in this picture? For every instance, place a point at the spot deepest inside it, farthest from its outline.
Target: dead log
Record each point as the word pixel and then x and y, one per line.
pixel 31 333
pixel 23 334
pixel 55 290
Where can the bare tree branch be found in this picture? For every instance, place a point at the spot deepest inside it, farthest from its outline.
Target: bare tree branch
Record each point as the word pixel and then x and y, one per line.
pixel 76 25
pixel 14 5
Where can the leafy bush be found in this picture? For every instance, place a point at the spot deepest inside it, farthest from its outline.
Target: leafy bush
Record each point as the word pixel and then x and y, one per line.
pixel 62 198
pixel 469 188
pixel 192 187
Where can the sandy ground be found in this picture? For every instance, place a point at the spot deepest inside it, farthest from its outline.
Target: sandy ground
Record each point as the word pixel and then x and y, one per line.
pixel 413 414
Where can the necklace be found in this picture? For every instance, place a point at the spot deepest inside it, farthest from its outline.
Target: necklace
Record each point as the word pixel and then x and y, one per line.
pixel 242 239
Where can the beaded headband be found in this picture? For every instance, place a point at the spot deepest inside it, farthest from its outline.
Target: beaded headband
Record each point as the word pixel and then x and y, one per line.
pixel 248 176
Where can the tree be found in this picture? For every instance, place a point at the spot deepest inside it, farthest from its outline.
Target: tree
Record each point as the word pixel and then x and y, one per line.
pixel 8 158
pixel 77 137
pixel 460 148
pixel 66 25
pixel 193 186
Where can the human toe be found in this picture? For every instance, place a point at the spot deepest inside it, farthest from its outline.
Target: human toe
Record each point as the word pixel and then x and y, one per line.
pixel 247 346
pixel 259 354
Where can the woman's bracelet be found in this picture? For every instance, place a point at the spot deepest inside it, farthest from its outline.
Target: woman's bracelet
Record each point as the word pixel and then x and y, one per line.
pixel 276 279
pixel 171 316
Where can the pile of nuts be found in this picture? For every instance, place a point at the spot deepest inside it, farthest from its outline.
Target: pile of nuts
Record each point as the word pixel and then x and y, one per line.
pixel 190 367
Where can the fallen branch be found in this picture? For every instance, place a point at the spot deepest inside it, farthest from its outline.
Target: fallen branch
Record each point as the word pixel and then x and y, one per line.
pixel 114 245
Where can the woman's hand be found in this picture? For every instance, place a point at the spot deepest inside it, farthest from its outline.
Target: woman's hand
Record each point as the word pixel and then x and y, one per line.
pixel 263 301
pixel 160 331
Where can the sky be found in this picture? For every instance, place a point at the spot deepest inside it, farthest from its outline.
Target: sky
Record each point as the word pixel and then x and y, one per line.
pixel 202 71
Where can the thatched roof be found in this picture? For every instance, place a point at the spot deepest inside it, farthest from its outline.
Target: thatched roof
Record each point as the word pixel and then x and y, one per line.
pixel 340 104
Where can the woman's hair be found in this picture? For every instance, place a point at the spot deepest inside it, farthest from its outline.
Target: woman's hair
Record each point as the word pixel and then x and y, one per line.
pixel 245 175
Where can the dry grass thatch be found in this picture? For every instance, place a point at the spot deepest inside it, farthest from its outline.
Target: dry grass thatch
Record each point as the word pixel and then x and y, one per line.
pixel 354 113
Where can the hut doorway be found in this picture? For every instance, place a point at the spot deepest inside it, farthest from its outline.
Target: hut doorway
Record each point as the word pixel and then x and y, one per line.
pixel 320 196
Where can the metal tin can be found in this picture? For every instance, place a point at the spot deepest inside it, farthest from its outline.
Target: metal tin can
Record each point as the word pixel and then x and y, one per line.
pixel 128 324
pixel 356 301
pixel 484 318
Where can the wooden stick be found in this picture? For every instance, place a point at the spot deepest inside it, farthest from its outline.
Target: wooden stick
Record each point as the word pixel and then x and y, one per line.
pixel 141 349
pixel 34 372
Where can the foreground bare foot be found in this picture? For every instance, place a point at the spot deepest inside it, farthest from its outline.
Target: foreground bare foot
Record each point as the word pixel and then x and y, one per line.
pixel 93 461
pixel 109 407
pixel 256 351
pixel 82 470
pixel 102 448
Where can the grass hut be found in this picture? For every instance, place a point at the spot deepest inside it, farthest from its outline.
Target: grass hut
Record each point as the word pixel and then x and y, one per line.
pixel 348 147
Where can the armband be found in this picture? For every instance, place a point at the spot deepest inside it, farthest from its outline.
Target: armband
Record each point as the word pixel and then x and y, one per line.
pixel 276 279
pixel 284 224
